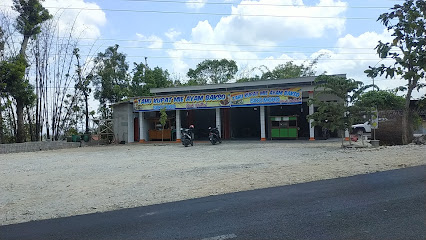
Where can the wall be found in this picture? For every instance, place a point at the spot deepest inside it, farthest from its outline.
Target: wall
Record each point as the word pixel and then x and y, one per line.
pixel 120 116
pixel 36 146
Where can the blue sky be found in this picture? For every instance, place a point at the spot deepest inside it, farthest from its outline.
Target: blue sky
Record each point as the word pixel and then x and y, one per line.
pixel 178 34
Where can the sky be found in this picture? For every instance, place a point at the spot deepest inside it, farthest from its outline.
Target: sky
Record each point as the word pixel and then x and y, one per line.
pixel 178 34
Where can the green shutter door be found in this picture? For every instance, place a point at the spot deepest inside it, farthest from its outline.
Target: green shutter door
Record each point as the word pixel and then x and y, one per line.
pixel 275 132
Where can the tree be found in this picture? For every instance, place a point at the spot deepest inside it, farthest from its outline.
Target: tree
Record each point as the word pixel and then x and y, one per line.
pixel 2 86
pixel 212 72
pixel 289 70
pixel 338 115
pixel 383 100
pixel 145 78
pixel 163 120
pixel 83 85
pixel 31 15
pixel 111 78
pixel 408 50
pixel 284 71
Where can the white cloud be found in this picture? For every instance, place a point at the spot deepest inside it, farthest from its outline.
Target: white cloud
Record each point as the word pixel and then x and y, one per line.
pixel 196 4
pixel 5 6
pixel 82 23
pixel 172 34
pixel 354 54
pixel 279 20
pixel 155 42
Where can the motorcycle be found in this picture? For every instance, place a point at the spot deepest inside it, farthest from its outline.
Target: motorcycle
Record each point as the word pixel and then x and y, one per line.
pixel 214 136
pixel 187 136
pixel 325 133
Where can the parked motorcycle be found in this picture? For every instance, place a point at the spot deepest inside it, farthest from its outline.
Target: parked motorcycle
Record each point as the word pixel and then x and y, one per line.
pixel 187 136
pixel 214 136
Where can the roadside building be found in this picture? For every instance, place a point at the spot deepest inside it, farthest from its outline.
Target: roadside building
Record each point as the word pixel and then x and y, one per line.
pixel 273 109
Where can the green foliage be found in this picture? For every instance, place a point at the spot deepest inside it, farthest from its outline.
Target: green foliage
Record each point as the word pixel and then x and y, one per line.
pixel 213 72
pixel 163 117
pixel 83 83
pixel 31 15
pixel 13 82
pixel 111 78
pixel 145 78
pixel 288 70
pixel 284 71
pixel 248 79
pixel 338 115
pixel 407 50
pixel 408 45
pixel 383 100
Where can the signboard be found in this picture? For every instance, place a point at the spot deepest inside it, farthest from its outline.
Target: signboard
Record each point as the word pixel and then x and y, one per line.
pixel 220 100
pixel 270 97
pixel 374 120
pixel 181 102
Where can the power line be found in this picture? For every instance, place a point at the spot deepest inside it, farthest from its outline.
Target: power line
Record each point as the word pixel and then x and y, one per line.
pixel 236 59
pixel 203 13
pixel 226 50
pixel 217 44
pixel 256 4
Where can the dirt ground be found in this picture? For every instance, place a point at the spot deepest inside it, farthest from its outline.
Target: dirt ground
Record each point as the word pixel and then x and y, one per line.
pixel 52 184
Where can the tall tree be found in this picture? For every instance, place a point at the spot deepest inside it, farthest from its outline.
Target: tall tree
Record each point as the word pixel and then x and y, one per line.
pixel 2 86
pixel 83 86
pixel 145 78
pixel 338 115
pixel 31 15
pixel 284 71
pixel 212 72
pixel 111 78
pixel 289 70
pixel 383 100
pixel 408 49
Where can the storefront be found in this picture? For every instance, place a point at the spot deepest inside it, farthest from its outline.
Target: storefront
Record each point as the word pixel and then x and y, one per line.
pixel 275 109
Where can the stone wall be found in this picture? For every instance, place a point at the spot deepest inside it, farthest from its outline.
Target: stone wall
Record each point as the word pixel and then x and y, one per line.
pixel 390 129
pixel 36 146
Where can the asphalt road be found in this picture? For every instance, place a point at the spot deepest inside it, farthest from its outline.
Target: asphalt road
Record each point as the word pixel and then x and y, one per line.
pixel 385 205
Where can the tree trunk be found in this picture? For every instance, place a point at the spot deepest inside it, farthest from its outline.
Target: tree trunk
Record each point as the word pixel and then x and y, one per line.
pixel 24 45
pixel 20 132
pixel 87 113
pixel 406 138
pixel 1 125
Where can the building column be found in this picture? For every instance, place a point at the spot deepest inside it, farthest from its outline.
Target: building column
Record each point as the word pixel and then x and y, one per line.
pixel 130 125
pixel 262 124
pixel 178 126
pixel 311 111
pixel 141 128
pixel 218 122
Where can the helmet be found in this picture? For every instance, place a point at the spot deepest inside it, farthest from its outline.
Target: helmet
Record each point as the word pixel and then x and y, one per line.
pixel 191 126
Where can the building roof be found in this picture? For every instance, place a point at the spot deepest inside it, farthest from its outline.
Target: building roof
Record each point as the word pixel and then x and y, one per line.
pixel 291 82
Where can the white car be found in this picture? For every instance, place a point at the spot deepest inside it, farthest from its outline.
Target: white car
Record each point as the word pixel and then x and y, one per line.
pixel 362 128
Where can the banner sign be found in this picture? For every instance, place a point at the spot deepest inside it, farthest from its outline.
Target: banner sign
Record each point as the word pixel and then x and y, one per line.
pixel 182 102
pixel 219 100
pixel 267 97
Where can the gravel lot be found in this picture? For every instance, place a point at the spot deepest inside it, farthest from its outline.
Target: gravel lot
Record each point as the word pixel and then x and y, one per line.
pixel 51 184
